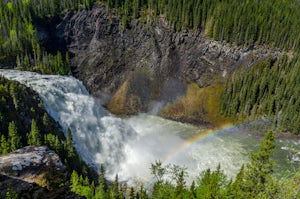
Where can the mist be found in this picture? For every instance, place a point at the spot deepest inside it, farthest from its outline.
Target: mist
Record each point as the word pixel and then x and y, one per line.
pixel 128 146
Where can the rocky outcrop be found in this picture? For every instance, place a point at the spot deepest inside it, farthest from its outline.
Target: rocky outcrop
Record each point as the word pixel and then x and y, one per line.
pixel 32 160
pixel 106 57
pixel 33 171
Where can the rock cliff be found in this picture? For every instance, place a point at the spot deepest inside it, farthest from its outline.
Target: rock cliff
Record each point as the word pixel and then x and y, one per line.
pixel 132 68
pixel 33 172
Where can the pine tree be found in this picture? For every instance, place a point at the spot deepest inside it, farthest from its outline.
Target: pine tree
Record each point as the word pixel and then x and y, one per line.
pixel 115 193
pixel 34 137
pixel 4 147
pixel 193 190
pixel 260 168
pixel 14 139
pixel 47 122
pixel 102 180
pixel 237 188
pixel 74 181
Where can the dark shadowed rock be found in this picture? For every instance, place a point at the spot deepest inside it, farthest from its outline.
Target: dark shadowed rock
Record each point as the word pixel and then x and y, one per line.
pixel 105 56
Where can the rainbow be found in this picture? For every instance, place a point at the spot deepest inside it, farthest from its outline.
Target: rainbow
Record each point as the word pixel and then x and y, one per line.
pixel 197 138
pixel 191 141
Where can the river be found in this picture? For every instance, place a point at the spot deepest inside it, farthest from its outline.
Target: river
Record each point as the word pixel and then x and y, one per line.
pixel 128 146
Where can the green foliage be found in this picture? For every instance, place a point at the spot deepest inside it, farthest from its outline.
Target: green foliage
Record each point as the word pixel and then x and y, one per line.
pixel 256 180
pixel 261 166
pixel 11 194
pixel 271 22
pixel 34 137
pixel 81 186
pixel 53 142
pixel 4 145
pixel 253 181
pixel 158 171
pixel 14 140
pixel 19 39
pixel 29 123
pixel 258 172
pixel 211 184
pixel 102 189
pixel 269 88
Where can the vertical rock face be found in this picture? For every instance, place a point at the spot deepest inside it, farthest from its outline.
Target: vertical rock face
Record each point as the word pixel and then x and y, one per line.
pixel 106 56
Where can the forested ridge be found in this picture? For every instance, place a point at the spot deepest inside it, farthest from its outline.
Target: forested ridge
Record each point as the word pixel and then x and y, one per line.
pixel 243 22
pixel 19 42
pixel 268 88
pixel 272 23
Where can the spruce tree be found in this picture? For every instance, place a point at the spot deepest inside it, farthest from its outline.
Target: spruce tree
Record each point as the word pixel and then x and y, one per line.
pixel 34 137
pixel 14 139
pixel 4 147
pixel 260 168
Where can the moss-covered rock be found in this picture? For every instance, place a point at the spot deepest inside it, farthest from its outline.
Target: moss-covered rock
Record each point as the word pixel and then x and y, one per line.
pixel 198 106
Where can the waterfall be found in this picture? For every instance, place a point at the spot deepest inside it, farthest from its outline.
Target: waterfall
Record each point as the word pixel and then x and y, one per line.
pixel 98 137
pixel 127 147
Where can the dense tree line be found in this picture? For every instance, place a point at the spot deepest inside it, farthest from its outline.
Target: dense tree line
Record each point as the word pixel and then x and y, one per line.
pixel 243 22
pixel 271 22
pixel 19 40
pixel 254 180
pixel 269 88
pixel 24 121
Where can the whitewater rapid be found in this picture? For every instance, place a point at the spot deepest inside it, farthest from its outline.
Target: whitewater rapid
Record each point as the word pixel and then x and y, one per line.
pixel 128 146
pixel 98 137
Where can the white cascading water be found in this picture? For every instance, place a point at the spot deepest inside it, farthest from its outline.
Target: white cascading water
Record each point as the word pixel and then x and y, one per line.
pixel 98 137
pixel 127 147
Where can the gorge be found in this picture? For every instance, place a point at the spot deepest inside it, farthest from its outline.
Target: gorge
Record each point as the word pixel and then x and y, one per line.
pixel 171 97
pixel 146 66
pixel 128 146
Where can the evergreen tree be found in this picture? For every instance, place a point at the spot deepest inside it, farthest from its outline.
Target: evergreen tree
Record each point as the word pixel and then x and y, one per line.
pixel 211 184
pixel 115 193
pixel 74 181
pixel 69 145
pixel 34 137
pixel 4 145
pixel 14 140
pixel 260 168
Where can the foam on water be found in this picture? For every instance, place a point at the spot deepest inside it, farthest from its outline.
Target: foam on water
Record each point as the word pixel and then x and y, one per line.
pixel 98 137
pixel 128 146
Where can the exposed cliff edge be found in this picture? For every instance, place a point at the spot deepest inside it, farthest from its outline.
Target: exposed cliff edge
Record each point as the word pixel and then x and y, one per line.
pixel 133 68
pixel 33 172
